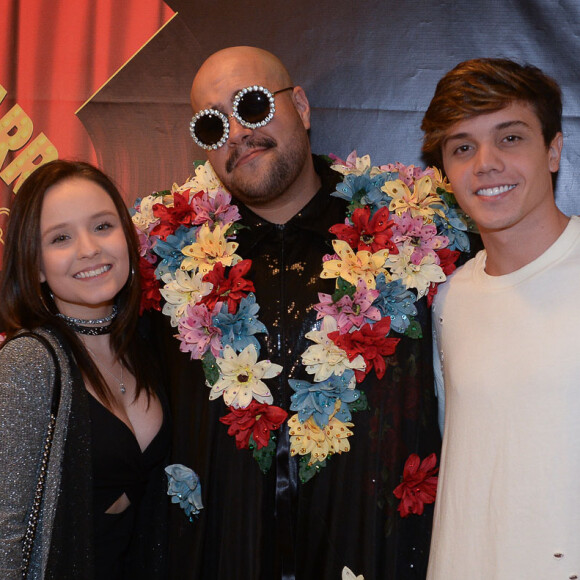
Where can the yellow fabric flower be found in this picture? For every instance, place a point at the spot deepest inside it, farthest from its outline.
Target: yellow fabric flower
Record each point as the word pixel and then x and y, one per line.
pixel 423 201
pixel 354 266
pixel 181 290
pixel 417 276
pixel 440 180
pixel 308 437
pixel 324 358
pixel 240 378
pixel 211 246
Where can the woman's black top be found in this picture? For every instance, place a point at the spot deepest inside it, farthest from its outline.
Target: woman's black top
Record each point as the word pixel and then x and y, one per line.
pixel 119 467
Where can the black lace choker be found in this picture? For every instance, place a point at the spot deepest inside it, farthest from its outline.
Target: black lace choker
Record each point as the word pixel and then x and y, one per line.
pixel 91 327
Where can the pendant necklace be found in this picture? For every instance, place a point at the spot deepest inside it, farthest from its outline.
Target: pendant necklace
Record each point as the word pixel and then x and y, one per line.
pixel 122 387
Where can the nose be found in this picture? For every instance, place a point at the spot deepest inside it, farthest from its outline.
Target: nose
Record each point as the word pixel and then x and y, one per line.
pixel 487 158
pixel 237 131
pixel 88 245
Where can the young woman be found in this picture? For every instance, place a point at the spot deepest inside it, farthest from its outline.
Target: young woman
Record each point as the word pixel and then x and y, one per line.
pixel 70 286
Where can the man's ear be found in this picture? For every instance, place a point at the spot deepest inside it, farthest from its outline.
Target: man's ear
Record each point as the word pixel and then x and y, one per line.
pixel 555 152
pixel 302 105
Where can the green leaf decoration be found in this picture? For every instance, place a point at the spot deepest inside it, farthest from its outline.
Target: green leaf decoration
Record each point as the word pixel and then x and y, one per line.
pixel 414 330
pixel 235 228
pixel 361 404
pixel 356 202
pixel 447 197
pixel 265 455
pixel 343 288
pixel 161 193
pixel 210 368
pixel 307 472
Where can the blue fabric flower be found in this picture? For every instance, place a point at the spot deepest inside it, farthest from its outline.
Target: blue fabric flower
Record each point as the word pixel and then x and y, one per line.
pixel 317 400
pixel 169 250
pixel 238 329
pixel 396 301
pixel 363 190
pixel 455 229
pixel 185 489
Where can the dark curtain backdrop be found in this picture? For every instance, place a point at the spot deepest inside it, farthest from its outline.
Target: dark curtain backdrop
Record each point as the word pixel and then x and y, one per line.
pixel 369 69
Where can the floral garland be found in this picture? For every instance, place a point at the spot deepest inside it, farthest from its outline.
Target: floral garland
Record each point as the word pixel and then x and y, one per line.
pixel 402 235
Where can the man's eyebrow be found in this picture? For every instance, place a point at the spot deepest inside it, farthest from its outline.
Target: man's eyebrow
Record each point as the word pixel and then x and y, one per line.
pixel 454 137
pixel 508 124
pixel 498 127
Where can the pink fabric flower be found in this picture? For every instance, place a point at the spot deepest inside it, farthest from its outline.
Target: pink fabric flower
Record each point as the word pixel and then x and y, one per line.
pixel 414 231
pixel 197 332
pixel 408 174
pixel 350 311
pixel 146 246
pixel 214 209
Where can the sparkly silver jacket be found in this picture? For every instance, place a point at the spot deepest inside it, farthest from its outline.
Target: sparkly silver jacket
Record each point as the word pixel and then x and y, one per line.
pixel 26 382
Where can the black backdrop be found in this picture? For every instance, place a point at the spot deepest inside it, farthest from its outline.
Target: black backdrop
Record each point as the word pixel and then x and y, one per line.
pixel 369 69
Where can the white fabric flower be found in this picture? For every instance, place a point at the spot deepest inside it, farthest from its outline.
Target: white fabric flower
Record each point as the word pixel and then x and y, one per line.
pixel 324 358
pixel 182 288
pixel 205 179
pixel 348 574
pixel 417 276
pixel 144 218
pixel 240 378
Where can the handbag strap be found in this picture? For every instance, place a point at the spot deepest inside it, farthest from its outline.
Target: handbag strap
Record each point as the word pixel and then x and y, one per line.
pixel 39 491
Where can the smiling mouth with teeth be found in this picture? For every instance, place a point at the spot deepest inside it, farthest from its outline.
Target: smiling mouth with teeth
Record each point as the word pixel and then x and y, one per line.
pixel 493 191
pixel 93 273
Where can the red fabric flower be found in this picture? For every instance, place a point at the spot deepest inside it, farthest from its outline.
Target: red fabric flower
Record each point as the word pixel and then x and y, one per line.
pixel 233 288
pixel 150 295
pixel 258 419
pixel 447 259
pixel 172 217
pixel 371 342
pixel 419 485
pixel 366 233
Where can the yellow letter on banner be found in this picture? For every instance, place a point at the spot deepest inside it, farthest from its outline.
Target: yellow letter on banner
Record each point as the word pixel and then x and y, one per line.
pixel 3 93
pixel 15 130
pixel 40 150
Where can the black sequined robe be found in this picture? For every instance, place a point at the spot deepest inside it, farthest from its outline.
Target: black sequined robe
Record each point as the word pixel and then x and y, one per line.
pixel 268 527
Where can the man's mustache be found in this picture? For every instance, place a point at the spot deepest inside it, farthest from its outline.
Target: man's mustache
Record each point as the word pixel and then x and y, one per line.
pixel 262 142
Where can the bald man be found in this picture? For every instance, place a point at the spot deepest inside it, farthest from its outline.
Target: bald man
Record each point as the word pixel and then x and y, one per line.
pixel 269 169
pixel 274 525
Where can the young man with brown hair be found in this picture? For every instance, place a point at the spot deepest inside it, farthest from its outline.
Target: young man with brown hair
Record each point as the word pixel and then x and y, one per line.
pixel 508 501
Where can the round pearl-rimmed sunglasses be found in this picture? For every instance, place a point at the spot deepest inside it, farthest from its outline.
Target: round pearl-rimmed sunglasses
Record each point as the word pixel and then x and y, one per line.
pixel 253 107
